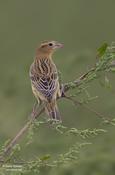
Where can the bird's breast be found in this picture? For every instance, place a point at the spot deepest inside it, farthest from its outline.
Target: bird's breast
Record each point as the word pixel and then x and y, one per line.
pixel 45 67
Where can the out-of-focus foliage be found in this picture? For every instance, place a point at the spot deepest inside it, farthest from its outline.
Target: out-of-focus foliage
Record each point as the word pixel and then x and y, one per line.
pixel 82 26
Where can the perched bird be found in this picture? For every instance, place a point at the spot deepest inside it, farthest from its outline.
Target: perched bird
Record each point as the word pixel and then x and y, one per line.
pixel 44 78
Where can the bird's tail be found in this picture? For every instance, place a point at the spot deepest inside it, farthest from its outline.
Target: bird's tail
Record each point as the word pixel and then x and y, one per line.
pixel 52 111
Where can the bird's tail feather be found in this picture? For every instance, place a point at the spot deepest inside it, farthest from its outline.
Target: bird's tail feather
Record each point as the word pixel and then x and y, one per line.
pixel 52 111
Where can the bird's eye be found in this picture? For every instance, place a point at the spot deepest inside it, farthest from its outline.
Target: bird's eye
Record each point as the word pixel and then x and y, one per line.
pixel 50 44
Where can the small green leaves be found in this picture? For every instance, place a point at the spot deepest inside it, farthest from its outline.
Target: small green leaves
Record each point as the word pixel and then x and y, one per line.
pixel 111 122
pixel 86 133
pixel 101 50
pixel 46 157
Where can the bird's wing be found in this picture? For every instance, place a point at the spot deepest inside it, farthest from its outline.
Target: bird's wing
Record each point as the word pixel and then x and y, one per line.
pixel 45 83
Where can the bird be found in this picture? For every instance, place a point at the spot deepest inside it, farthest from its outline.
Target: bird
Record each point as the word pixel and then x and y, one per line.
pixel 45 80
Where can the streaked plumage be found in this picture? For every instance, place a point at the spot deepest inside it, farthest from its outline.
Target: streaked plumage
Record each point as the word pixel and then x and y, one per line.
pixel 44 78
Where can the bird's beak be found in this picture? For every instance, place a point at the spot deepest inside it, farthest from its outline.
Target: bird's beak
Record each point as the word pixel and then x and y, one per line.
pixel 58 45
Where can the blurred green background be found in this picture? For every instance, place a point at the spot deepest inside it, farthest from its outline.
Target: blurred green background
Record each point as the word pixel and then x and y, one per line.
pixel 82 26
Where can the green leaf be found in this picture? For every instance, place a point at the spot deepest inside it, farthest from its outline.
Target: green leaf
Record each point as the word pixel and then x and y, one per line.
pixel 101 50
pixel 46 157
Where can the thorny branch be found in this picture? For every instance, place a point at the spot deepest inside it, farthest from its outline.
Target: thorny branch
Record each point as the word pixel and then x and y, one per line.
pixel 105 63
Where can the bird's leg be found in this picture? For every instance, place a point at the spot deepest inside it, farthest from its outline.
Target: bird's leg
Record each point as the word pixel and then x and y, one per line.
pixel 35 108
pixel 38 106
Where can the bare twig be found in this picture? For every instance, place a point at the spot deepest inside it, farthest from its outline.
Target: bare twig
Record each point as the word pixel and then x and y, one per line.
pixel 76 103
pixel 78 81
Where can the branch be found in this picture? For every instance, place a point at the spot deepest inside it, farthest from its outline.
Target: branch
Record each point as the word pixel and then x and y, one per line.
pixel 103 64
pixel 15 140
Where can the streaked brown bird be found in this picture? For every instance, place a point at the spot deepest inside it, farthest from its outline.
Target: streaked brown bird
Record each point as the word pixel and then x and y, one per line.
pixel 44 78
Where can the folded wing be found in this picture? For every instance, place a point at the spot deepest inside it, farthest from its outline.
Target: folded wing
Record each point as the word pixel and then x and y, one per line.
pixel 44 78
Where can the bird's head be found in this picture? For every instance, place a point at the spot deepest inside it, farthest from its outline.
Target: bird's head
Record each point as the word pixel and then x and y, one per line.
pixel 49 47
